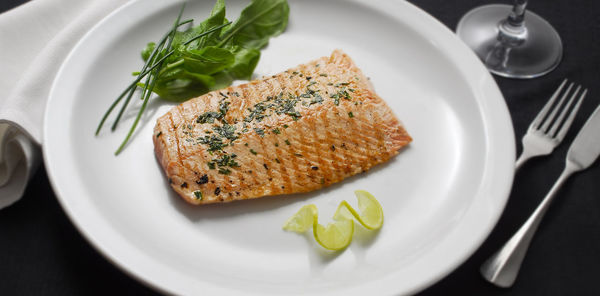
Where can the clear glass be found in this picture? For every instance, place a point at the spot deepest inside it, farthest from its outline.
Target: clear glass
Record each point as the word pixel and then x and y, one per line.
pixel 511 41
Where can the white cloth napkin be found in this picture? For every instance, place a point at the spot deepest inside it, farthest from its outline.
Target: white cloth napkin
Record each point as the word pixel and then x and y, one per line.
pixel 35 38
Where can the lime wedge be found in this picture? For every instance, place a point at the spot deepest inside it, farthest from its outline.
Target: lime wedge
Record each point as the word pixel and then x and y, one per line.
pixel 302 220
pixel 371 216
pixel 336 236
pixel 371 212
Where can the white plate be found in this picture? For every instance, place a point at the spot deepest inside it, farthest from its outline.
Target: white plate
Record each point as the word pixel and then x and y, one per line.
pixel 441 196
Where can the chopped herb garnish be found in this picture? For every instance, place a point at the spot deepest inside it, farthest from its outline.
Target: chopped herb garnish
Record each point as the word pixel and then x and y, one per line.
pixel 260 131
pixel 287 142
pixel 159 133
pixel 227 131
pixel 198 194
pixel 224 107
pixel 246 144
pixel 226 161
pixel 285 126
pixel 224 171
pixel 298 154
pixel 276 131
pixel 209 117
pixel 277 160
pixel 211 165
pixel 323 75
pixel 252 151
pixel 316 99
pixel 214 142
pixel 350 114
pixel 276 144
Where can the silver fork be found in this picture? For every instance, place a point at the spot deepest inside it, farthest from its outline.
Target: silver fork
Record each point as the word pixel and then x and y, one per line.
pixel 546 132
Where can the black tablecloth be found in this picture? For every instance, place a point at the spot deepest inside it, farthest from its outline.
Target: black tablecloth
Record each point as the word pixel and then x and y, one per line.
pixel 41 252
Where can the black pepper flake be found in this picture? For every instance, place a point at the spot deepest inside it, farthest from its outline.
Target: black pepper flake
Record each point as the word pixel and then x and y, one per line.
pixel 298 154
pixel 159 133
pixel 202 180
pixel 314 168
pixel 332 147
pixel 184 185
pixel 217 190
pixel 265 165
pixel 282 187
pixel 277 160
pixel 170 181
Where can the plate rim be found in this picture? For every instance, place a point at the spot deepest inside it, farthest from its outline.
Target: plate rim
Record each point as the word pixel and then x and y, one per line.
pixel 502 117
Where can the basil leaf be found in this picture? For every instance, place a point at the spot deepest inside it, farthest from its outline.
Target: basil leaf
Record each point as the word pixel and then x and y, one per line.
pixel 259 21
pixel 179 85
pixel 245 62
pixel 207 60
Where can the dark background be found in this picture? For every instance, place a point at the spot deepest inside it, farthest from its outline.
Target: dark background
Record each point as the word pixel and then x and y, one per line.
pixel 42 253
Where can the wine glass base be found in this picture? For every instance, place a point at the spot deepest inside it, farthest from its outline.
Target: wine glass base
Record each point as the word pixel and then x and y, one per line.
pixel 539 54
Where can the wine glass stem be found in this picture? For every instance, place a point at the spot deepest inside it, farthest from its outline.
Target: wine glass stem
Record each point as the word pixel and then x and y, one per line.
pixel 512 31
pixel 517 16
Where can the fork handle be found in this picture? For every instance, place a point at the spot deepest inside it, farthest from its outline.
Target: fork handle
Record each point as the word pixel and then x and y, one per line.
pixel 501 269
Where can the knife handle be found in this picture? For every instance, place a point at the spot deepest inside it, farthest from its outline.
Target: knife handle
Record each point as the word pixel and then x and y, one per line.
pixel 502 268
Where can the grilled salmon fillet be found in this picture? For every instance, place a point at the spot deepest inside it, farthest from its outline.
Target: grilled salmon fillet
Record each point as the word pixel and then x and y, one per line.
pixel 297 131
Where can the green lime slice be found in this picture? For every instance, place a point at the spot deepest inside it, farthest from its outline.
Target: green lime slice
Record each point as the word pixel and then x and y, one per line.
pixel 371 216
pixel 302 220
pixel 336 236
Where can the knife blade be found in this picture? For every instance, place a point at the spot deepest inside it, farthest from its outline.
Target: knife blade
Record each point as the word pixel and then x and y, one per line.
pixel 586 147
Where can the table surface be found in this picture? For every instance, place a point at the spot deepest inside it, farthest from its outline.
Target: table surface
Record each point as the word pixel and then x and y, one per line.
pixel 41 252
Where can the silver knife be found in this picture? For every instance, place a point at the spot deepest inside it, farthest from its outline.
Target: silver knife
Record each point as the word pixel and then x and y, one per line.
pixel 502 268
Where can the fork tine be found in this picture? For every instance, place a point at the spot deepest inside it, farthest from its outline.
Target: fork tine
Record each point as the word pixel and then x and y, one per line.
pixel 563 131
pixel 550 117
pixel 538 119
pixel 559 120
